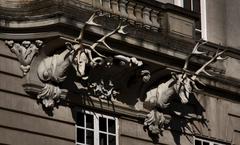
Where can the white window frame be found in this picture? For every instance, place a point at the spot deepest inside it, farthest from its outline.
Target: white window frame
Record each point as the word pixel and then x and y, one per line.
pixel 178 3
pixel 96 130
pixel 203 8
pixel 211 142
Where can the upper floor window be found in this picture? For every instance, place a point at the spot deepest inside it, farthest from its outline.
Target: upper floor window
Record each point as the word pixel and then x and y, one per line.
pixel 200 141
pixel 195 6
pixel 192 5
pixel 96 129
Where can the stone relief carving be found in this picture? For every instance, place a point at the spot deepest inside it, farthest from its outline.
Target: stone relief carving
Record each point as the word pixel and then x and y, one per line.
pixel 51 70
pixel 182 84
pixel 155 121
pixel 103 90
pixel 51 95
pixel 25 52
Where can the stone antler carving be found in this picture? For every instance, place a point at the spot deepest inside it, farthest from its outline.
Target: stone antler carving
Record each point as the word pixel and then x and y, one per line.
pixel 25 52
pixel 181 84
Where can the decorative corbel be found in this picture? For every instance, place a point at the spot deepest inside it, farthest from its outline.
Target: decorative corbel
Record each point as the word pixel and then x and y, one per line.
pixel 25 52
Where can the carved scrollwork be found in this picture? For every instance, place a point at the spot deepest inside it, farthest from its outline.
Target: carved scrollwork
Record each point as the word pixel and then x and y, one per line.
pixel 51 95
pixel 25 52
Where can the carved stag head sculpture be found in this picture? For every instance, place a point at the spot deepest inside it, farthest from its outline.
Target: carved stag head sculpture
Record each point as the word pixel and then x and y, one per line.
pixel 181 84
pixel 83 51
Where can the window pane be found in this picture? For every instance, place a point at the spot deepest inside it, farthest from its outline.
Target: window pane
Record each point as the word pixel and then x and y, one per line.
pixel 112 140
pixel 196 6
pixel 111 126
pixel 103 139
pixel 187 4
pixel 80 119
pixel 197 142
pixel 90 137
pixel 205 143
pixel 102 124
pixel 89 120
pixel 80 135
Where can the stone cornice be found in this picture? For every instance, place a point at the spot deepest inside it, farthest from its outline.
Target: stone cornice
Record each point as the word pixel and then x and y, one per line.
pixel 136 12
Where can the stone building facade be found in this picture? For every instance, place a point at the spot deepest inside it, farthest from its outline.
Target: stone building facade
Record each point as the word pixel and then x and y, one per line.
pixel 118 72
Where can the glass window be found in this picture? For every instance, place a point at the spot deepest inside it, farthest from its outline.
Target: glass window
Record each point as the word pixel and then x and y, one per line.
pixel 96 129
pixel 200 141
pixel 192 5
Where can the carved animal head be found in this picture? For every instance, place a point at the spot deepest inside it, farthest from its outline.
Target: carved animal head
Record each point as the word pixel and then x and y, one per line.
pixel 181 84
pixel 185 82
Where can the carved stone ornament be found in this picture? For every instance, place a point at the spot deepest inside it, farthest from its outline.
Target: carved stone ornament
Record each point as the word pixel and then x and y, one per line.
pixel 155 121
pixel 52 69
pixel 25 52
pixel 51 95
pixel 104 91
pixel 181 84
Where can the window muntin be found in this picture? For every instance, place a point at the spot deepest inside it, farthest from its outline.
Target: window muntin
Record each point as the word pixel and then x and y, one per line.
pixel 200 141
pixel 96 129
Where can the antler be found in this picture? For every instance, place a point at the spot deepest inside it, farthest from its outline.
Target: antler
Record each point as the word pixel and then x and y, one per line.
pixel 195 51
pixel 119 29
pixel 90 22
pixel 217 56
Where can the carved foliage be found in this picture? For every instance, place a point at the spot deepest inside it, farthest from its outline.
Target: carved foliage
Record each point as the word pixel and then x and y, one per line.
pixel 25 52
pixel 103 90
